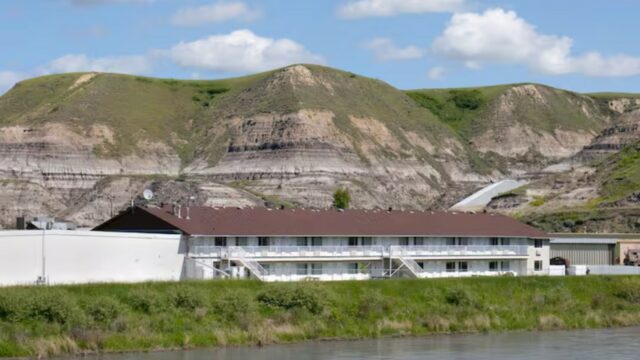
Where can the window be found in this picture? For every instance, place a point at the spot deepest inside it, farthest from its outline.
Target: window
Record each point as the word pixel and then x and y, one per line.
pixel 263 241
pixel 354 268
pixel 504 265
pixel 457 241
pixel 463 266
pixel 493 266
pixel 404 241
pixel 505 242
pixel 494 241
pixel 366 241
pixel 451 266
pixel 241 241
pixel 418 241
pixel 353 241
pixel 537 265
pixel 220 241
pixel 316 241
pixel 301 241
pixel 537 243
pixel 301 269
pixel 316 269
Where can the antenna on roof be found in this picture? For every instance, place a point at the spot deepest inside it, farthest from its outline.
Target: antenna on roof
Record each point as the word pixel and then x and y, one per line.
pixel 147 194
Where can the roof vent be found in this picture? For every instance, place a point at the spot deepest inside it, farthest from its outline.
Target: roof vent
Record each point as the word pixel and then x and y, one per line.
pixel 390 209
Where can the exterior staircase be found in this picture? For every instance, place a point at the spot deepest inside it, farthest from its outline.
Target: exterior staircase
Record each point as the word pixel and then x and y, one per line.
pixel 239 255
pixel 411 265
pixel 414 269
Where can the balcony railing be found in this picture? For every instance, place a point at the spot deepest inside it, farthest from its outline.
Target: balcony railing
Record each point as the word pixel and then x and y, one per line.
pixel 309 251
pixel 345 252
pixel 427 251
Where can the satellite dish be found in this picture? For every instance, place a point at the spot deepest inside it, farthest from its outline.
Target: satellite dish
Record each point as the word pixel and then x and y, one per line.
pixel 147 194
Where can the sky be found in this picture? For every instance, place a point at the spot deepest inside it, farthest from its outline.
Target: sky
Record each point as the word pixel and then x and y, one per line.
pixel 580 45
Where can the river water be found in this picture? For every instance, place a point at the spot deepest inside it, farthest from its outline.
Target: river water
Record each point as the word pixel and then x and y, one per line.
pixel 607 344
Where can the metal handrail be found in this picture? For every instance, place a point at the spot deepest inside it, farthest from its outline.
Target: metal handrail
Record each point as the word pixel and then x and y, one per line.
pixel 464 250
pixel 238 253
pixel 297 251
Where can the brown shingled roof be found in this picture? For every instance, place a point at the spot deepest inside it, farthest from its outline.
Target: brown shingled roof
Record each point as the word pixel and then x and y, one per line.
pixel 300 222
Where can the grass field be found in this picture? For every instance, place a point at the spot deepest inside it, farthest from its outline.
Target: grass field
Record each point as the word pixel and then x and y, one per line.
pixel 48 321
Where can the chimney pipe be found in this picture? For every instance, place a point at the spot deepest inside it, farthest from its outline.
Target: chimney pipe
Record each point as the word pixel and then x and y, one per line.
pixel 179 211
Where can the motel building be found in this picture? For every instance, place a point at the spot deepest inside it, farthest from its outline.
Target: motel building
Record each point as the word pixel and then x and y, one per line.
pixel 307 244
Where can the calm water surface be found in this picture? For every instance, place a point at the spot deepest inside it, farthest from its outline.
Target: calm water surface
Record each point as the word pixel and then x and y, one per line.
pixel 609 344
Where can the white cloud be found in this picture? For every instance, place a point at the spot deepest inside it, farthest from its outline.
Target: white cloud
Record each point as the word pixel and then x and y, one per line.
pixel 385 50
pixel 132 64
pixel 501 36
pixel 8 79
pixel 240 51
pixel 214 13
pixel 370 8
pixel 436 73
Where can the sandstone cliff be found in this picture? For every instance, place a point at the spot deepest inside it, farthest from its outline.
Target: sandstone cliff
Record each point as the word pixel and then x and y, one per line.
pixel 80 146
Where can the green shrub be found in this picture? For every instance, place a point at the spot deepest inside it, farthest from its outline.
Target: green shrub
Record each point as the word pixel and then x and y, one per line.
pixel 291 297
pixel 187 299
pixel 232 306
pixel 144 300
pixel 52 306
pixel 628 291
pixel 458 297
pixel 10 307
pixel 467 99
pixel 341 198
pixel 537 201
pixel 104 309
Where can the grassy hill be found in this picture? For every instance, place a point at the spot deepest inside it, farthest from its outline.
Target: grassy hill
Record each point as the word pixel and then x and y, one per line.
pixel 471 111
pixel 136 107
pixel 179 112
pixel 294 133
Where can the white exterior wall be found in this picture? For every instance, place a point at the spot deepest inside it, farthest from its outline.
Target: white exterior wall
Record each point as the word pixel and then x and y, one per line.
pixel 540 254
pixel 88 257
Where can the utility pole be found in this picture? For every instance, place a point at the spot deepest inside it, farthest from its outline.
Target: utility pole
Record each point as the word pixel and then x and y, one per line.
pixel 42 280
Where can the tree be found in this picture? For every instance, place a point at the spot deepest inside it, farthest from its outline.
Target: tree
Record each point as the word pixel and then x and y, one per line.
pixel 341 198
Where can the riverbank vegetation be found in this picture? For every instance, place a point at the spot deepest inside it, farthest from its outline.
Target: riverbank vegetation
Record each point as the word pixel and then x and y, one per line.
pixel 48 321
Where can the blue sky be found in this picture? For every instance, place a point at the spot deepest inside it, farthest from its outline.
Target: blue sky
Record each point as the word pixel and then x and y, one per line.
pixel 584 45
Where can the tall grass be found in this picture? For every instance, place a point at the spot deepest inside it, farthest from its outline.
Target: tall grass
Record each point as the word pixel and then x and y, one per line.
pixel 40 321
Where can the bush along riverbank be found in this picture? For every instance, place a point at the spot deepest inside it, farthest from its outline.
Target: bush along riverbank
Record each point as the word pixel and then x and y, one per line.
pixel 49 321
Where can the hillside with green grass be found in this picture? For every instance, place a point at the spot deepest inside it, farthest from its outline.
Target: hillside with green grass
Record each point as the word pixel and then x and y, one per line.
pixel 293 134
pixel 134 107
pixel 60 320
pixel 620 175
pixel 472 111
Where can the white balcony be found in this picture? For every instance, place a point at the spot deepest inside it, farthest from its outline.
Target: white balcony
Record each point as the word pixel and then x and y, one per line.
pixel 207 251
pixel 318 253
pixel 446 274
pixel 319 277
pixel 346 253
pixel 459 252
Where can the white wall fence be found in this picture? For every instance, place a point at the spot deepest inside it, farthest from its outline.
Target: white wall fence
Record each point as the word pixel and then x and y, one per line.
pixel 603 270
pixel 88 257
